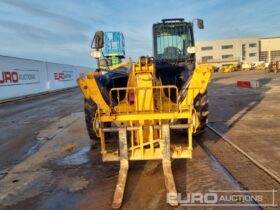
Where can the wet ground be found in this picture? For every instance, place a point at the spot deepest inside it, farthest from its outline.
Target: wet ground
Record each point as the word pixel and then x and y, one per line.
pixel 53 175
pixel 48 162
pixel 249 117
pixel 21 121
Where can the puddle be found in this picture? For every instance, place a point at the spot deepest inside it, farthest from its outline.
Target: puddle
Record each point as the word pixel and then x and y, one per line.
pixel 54 201
pixel 77 114
pixel 4 173
pixel 76 158
pixel 40 141
pixel 42 138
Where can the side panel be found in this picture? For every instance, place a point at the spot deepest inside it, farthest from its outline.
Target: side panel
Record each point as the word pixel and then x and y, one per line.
pixel 19 77
pixel 22 77
pixel 60 76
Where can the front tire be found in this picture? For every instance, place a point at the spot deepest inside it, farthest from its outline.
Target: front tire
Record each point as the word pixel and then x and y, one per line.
pixel 90 108
pixel 201 107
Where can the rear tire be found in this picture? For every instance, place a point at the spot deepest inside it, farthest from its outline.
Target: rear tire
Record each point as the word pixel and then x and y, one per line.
pixel 90 108
pixel 201 107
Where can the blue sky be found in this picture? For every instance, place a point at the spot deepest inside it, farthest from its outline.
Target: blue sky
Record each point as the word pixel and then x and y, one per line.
pixel 61 30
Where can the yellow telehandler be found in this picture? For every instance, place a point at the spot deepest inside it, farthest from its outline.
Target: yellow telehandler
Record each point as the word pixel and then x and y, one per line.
pixel 143 101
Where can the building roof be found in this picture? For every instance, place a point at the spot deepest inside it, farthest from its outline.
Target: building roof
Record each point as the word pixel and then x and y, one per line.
pixel 238 38
pixel 228 39
pixel 273 37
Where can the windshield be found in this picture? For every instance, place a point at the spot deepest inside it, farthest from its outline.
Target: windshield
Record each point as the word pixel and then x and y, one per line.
pixel 172 42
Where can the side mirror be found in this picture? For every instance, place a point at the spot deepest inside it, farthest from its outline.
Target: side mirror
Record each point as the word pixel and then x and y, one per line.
pixel 200 24
pixel 98 40
pixel 96 54
pixel 191 50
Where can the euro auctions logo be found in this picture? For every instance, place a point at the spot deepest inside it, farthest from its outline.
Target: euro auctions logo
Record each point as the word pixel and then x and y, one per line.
pixel 224 198
pixel 59 76
pixel 63 76
pixel 18 77
pixel 9 77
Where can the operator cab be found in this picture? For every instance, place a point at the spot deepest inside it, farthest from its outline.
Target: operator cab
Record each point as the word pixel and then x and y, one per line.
pixel 174 51
pixel 172 37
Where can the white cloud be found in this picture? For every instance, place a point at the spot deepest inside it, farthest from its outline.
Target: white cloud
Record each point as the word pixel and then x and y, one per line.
pixel 61 31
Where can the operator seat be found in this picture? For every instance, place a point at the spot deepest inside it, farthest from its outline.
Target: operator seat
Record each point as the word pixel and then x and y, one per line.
pixel 170 53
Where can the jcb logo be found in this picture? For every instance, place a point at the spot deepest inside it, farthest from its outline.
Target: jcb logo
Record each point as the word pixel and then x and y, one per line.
pixel 9 77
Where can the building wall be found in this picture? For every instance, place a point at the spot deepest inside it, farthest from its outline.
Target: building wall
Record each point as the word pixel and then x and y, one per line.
pixel 270 49
pixel 245 50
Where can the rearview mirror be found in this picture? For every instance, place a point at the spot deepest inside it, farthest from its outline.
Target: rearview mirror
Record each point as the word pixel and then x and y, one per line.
pixel 98 40
pixel 191 50
pixel 200 24
pixel 96 54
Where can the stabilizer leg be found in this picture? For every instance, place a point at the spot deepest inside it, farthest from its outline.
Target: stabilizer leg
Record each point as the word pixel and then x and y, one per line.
pixel 119 191
pixel 167 170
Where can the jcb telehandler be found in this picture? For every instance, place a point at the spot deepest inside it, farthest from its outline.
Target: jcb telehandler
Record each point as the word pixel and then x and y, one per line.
pixel 142 101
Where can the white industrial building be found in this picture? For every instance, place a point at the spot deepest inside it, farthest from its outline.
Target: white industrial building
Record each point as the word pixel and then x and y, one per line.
pixel 270 49
pixel 238 50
